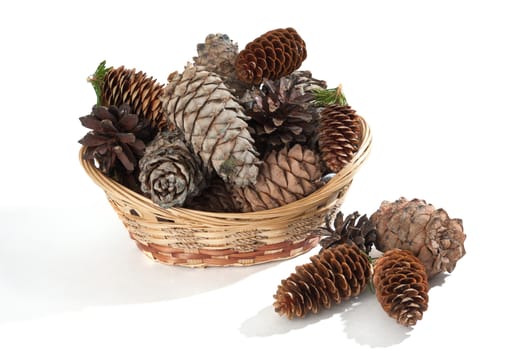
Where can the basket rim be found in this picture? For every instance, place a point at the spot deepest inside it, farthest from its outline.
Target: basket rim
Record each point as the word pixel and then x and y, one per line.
pixel 341 179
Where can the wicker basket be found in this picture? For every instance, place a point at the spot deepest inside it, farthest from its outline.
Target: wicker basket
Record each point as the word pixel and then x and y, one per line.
pixel 179 236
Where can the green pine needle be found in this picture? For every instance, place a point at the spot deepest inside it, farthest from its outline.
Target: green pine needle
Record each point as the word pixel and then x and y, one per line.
pixel 325 97
pixel 97 80
pixel 371 287
pixel 370 284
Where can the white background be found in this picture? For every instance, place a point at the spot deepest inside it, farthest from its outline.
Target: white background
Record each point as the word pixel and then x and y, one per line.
pixel 441 84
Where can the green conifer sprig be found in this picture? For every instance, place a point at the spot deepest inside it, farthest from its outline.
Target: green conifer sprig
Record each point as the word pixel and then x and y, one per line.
pixel 325 97
pixel 97 79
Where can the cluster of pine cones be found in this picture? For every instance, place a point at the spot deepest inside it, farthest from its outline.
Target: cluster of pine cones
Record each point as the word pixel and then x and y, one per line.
pixel 418 242
pixel 233 132
pixel 247 131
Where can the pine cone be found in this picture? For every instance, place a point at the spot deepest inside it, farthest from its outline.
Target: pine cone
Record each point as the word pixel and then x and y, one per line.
pixel 117 139
pixel 339 136
pixel 116 86
pixel 169 172
pixel 401 286
pixel 430 234
pixel 284 177
pixel 274 54
pixel 334 275
pixel 353 228
pixel 217 55
pixel 215 198
pixel 198 103
pixel 283 111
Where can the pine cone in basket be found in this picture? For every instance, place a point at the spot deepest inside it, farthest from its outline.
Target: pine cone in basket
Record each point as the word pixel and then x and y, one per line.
pixel 429 233
pixel 213 122
pixel 339 136
pixel 284 177
pixel 117 138
pixel 169 171
pixel 283 111
pixel 218 54
pixel 354 228
pixel 274 54
pixel 116 86
pixel 214 198
pixel 334 275
pixel 401 286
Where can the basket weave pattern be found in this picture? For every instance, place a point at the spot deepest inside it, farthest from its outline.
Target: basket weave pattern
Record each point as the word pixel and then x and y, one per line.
pixel 179 236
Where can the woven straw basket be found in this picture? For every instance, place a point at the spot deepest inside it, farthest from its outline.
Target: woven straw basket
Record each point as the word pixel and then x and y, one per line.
pixel 179 236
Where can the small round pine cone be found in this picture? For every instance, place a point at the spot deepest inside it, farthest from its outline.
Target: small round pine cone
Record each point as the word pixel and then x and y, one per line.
pixel 401 286
pixel 334 275
pixel 284 111
pixel 354 228
pixel 117 137
pixel 169 171
pixel 429 233
pixel 272 55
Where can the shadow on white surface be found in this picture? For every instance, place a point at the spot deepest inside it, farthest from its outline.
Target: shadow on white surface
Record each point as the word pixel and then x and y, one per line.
pixel 258 325
pixel 54 261
pixel 366 323
pixel 361 317
pixel 438 280
pixel 365 317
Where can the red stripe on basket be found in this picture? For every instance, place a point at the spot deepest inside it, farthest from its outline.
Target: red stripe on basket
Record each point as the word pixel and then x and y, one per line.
pixel 244 255
pixel 217 252
pixel 270 257
pixel 227 257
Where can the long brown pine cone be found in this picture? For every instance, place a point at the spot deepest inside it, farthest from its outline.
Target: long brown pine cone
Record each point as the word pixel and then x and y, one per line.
pixel 339 136
pixel 429 233
pixel 284 177
pixel 401 286
pixel 121 85
pixel 274 54
pixel 332 276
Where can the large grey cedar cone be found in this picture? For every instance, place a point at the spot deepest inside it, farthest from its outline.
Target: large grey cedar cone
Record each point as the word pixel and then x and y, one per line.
pixel 213 123
pixel 429 233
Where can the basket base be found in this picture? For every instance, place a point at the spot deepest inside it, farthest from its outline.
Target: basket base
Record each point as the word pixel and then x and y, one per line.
pixel 227 257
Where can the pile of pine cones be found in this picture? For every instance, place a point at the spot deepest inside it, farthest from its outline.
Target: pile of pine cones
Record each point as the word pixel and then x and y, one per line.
pixel 418 242
pixel 232 132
